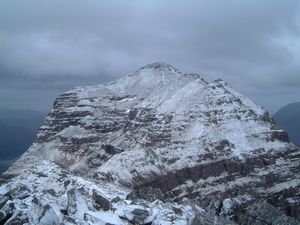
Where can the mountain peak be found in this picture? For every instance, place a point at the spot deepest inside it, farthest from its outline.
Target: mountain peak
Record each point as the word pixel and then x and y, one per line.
pixel 159 68
pixel 157 65
pixel 157 133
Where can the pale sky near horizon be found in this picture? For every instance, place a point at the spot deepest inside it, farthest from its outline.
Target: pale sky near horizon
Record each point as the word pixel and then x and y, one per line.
pixel 48 47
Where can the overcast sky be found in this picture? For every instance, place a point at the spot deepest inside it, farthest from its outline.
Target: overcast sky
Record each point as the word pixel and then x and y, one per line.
pixel 47 47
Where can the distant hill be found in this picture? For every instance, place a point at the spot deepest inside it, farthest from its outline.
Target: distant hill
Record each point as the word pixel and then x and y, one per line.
pixel 18 128
pixel 288 118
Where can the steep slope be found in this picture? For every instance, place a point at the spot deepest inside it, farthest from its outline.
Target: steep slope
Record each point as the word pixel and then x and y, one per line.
pixel 163 129
pixel 288 118
pixel 40 197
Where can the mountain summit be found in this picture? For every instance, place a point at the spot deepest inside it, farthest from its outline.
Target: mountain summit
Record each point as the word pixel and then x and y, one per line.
pixel 158 68
pixel 154 135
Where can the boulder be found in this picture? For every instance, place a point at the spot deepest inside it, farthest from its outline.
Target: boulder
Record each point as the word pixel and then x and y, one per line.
pixel 228 208
pixel 76 203
pixel 42 214
pixel 17 219
pixel 140 216
pixel 100 202
pixel 21 191
pixel 3 200
pixel 137 214
pixel 102 218
pixel 6 212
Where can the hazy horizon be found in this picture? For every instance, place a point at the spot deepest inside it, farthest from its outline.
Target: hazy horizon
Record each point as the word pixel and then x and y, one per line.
pixel 47 109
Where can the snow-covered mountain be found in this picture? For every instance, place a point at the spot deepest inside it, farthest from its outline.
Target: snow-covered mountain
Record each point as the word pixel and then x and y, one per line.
pixel 162 133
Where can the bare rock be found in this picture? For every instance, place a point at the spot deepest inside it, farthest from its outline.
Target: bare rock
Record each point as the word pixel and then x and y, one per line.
pixel 149 194
pixel 76 203
pixel 102 218
pixel 262 213
pixel 6 212
pixel 18 219
pixel 100 202
pixel 42 214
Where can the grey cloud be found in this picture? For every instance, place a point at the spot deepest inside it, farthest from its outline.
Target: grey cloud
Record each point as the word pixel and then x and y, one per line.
pixel 52 45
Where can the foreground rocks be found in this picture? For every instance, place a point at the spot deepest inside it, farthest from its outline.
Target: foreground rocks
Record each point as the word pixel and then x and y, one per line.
pixel 85 202
pixel 82 202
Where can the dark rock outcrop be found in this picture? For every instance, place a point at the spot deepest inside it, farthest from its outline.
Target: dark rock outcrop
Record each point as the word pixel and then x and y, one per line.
pixel 100 202
pixel 262 213
pixel 149 194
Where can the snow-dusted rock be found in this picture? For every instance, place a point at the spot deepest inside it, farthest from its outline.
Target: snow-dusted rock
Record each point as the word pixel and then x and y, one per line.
pixel 260 213
pixel 40 214
pixel 102 218
pixel 6 212
pixel 17 218
pixel 156 128
pixel 228 208
pixel 137 214
pixel 100 202
pixel 73 203
pixel 76 203
pixel 164 118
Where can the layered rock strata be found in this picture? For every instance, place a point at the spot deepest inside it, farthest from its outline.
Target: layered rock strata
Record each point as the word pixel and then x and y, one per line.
pixel 176 133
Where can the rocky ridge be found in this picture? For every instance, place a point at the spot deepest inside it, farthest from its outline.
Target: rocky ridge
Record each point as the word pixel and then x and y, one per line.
pixel 205 151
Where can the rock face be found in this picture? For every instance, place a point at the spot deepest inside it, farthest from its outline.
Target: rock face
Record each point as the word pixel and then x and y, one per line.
pixel 171 134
